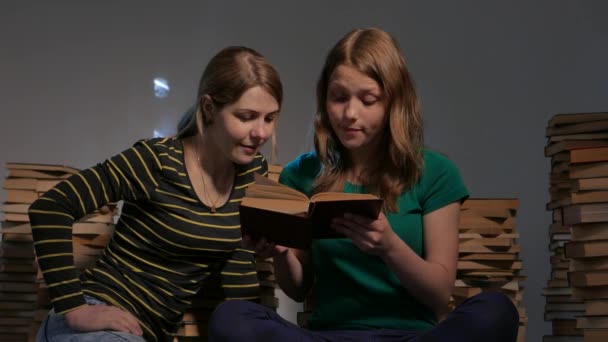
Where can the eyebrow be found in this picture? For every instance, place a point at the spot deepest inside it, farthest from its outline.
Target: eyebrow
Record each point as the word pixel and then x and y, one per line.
pixel 375 92
pixel 246 110
pixel 369 89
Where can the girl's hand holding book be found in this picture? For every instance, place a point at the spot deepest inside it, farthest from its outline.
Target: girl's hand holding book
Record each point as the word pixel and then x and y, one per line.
pixel 263 248
pixel 373 236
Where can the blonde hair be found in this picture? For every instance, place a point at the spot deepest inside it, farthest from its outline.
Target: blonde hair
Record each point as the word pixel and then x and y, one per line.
pixel 376 54
pixel 230 73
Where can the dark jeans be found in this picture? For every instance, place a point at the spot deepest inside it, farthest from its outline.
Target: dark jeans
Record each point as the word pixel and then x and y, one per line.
pixel 489 316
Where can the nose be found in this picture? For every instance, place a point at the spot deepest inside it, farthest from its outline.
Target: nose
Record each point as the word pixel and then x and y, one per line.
pixel 261 131
pixel 351 110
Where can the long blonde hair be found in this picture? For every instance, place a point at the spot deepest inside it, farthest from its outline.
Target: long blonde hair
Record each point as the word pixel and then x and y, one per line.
pixel 376 54
pixel 230 73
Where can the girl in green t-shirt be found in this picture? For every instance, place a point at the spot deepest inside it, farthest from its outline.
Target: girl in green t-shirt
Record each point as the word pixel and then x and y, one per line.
pixel 391 277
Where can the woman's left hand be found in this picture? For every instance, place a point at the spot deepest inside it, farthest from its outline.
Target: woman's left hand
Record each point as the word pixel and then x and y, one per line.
pixel 371 236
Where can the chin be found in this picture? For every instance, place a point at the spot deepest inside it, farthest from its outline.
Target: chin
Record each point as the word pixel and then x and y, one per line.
pixel 243 159
pixel 352 145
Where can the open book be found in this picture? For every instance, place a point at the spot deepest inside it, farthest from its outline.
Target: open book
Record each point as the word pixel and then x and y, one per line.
pixel 289 218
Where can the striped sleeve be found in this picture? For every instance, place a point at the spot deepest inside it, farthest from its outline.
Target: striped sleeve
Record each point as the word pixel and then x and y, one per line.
pixel 127 176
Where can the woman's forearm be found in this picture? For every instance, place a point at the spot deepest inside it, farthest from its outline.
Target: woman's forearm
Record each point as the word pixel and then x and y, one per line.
pixel 430 283
pixel 293 272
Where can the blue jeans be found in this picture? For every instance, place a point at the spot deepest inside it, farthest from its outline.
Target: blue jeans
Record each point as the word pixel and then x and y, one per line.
pixel 487 317
pixel 55 329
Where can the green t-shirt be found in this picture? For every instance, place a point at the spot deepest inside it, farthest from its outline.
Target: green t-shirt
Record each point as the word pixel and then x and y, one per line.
pixel 356 290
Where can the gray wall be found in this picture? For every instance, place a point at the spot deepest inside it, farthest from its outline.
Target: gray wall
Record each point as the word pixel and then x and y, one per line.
pixel 75 82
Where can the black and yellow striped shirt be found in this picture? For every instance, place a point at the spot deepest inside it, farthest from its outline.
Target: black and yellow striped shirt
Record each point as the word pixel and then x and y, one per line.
pixel 166 242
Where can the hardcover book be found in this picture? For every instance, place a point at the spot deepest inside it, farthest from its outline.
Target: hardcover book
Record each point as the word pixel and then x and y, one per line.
pixel 290 218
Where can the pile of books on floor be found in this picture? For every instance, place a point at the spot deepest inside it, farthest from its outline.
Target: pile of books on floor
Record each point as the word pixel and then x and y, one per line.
pixel 488 258
pixel 23 296
pixel 577 293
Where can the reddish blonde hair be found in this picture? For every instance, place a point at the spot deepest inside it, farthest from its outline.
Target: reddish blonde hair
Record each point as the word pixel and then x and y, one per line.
pixel 376 54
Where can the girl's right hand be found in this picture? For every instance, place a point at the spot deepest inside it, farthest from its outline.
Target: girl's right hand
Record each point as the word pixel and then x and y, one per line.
pixel 263 248
pixel 102 317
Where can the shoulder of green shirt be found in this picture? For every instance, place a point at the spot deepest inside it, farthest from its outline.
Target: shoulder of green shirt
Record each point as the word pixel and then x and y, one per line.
pixel 301 172
pixel 440 173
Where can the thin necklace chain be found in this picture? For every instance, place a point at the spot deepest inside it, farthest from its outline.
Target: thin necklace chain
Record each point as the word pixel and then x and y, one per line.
pixel 213 203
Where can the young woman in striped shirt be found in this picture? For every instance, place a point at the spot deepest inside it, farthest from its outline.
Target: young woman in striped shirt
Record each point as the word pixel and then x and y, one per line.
pixel 179 225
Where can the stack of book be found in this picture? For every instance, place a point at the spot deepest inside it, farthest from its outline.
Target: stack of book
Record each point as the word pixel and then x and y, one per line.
pixel 23 295
pixel 268 283
pixel 577 293
pixel 18 295
pixel 488 258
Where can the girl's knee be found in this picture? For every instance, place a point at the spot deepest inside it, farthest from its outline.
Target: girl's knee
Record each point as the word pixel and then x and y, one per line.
pixel 498 313
pixel 500 304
